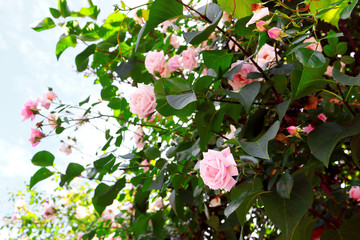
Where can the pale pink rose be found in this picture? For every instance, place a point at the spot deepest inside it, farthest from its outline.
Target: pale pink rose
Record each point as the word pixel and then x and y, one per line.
pixel 45 103
pixel 322 117
pixel 52 121
pixel 330 69
pixel 50 95
pixel 66 148
pixel 165 25
pixel 308 129
pixel 292 130
pixel 145 163
pixel 158 203
pixel 110 212
pixel 231 134
pixel 139 138
pixel 259 13
pixel 35 137
pixel 143 101
pixel 155 62
pixel 189 60
pixel 240 79
pixel 80 235
pixel 266 54
pixel 315 46
pixel 274 33
pixel 174 63
pixel 217 169
pixel 355 193
pixel 30 109
pixel 215 202
pixel 261 26
pixel 48 211
pixel 174 41
pixel 137 19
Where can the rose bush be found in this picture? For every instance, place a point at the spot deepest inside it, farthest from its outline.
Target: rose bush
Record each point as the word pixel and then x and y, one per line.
pixel 275 134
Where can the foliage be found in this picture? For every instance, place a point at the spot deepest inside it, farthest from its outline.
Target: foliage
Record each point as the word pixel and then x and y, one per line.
pixel 285 104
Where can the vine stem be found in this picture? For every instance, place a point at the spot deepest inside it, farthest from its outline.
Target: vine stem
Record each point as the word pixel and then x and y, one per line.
pixel 344 100
pixel 279 99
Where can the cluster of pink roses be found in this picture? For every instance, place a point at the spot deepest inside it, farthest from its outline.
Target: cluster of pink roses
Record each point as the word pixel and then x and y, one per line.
pixel 31 109
pixel 155 62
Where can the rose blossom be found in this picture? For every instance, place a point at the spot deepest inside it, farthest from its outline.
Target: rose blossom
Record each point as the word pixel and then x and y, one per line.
pixel 139 138
pixel 189 58
pixel 217 169
pixel 155 62
pixel 315 46
pixel 292 130
pixel 145 163
pixel 240 79
pixel 266 54
pixel 30 109
pixel 322 117
pixel 47 99
pixel 308 129
pixel 355 192
pixel 66 148
pixel 259 13
pixel 35 137
pixel 52 121
pixel 215 202
pixel 143 101
pixel 261 26
pixel 274 33
pixel 174 63
pixel 174 41
pixel 165 24
pixel 48 211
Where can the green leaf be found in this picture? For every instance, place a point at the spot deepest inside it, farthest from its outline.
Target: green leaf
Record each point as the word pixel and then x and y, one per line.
pixel 82 59
pixel 234 204
pixel 214 13
pixel 43 159
pixel 341 48
pixel 73 170
pixel 281 108
pixel 246 204
pixel 219 60
pixel 63 8
pixel 104 164
pixel 201 86
pixel 349 230
pixel 64 43
pixel 310 58
pixel 242 7
pixel 158 222
pixel 85 101
pixel 55 13
pixel 324 138
pixel 286 213
pixel 259 148
pixel 180 101
pixel 346 12
pixel 347 59
pixel 160 11
pixel 107 197
pixel 91 12
pixel 303 230
pixel 108 92
pixel 175 86
pixel 284 185
pixel 246 95
pixel 345 79
pixel 99 191
pixel 152 153
pixel 41 174
pixel 124 69
pixel 328 10
pixel 45 24
pixel 329 50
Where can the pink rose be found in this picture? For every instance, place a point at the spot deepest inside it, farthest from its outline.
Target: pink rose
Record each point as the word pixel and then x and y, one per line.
pixel 143 101
pixel 174 41
pixel 35 137
pixel 259 13
pixel 48 211
pixel 322 117
pixel 174 63
pixel 158 203
pixel 292 130
pixel 261 26
pixel 145 163
pixel 50 95
pixel 139 138
pixel 80 235
pixel 274 33
pixel 240 79
pixel 155 62
pixel 66 148
pixel 30 109
pixel 315 46
pixel 52 121
pixel 355 193
pixel 165 24
pixel 189 58
pixel 266 54
pixel 308 129
pixel 217 169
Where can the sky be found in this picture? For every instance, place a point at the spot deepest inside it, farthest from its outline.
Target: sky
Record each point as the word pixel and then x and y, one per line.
pixel 29 66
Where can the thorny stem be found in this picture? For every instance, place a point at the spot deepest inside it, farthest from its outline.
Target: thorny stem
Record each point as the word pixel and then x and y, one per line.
pixel 279 99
